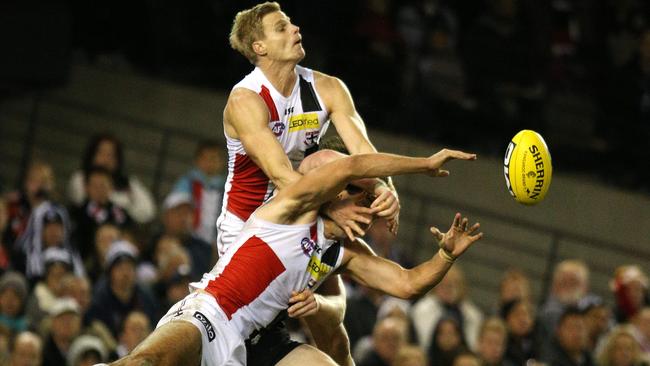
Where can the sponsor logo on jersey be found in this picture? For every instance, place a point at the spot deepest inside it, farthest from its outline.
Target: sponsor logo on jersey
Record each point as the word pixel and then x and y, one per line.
pixel 317 270
pixel 309 246
pixel 209 329
pixel 311 137
pixel 277 128
pixel 303 122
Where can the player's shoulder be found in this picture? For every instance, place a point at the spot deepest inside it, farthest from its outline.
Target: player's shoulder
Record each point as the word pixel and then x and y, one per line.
pixel 244 98
pixel 327 81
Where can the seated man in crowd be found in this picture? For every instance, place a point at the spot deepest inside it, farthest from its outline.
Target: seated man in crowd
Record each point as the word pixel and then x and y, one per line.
pixel 233 302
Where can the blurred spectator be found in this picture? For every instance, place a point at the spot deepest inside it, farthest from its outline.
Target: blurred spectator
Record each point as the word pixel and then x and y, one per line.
pixel 621 349
pixel 446 343
pixel 569 285
pixel 135 329
pixel 86 350
pixel 5 247
pixel 176 288
pixel 97 209
pixel 105 235
pixel 37 187
pixel 409 355
pixel 630 288
pixel 205 185
pixel 13 297
pixel 448 298
pixel 598 318
pixel 388 336
pixel 48 227
pixel 519 316
pixel 569 347
pixel 78 288
pixel 106 151
pixel 58 263
pixel 27 350
pixel 491 344
pixel 118 293
pixel 65 327
pixel 361 313
pixel 466 358
pixel 640 328
pixel 514 285
pixel 177 224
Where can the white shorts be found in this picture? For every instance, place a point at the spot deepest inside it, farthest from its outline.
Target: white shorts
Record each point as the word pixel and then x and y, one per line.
pixel 221 344
pixel 228 228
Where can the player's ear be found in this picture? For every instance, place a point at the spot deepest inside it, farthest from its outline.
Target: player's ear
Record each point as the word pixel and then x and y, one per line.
pixel 259 47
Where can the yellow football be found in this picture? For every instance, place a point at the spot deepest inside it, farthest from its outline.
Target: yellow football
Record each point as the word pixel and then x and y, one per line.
pixel 527 167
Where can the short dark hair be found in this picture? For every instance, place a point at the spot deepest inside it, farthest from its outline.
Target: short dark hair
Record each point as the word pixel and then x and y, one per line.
pixel 569 311
pixel 95 169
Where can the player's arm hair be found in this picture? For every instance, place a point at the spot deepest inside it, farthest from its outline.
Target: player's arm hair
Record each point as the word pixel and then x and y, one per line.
pixel 389 277
pixel 326 326
pixel 324 183
pixel 249 116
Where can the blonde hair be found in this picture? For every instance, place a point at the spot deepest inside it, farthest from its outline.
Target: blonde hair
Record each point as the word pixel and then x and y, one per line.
pixel 605 356
pixel 247 28
pixel 494 324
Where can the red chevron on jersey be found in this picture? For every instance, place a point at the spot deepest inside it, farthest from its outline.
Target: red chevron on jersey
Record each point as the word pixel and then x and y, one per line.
pixel 268 99
pixel 249 272
pixel 249 187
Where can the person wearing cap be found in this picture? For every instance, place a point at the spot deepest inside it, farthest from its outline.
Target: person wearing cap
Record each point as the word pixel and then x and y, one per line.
pixel 65 326
pixel 204 184
pixel 57 263
pixel 86 350
pixel 177 219
pixel 26 350
pixel 13 295
pixel 118 293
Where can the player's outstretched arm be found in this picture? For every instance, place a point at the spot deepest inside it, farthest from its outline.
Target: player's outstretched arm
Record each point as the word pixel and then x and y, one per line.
pixel 322 184
pixel 387 276
pixel 248 117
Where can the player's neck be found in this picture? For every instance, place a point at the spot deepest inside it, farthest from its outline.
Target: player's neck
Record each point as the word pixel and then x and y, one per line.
pixel 282 75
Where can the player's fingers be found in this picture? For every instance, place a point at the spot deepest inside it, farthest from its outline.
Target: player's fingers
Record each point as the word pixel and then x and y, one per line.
pixel 348 233
pixel 354 226
pixel 464 223
pixel 474 228
pixel 456 220
pixel 394 226
pixel 436 233
pixel 442 173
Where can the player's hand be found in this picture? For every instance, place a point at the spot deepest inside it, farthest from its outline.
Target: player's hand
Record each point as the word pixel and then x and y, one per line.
pixel 349 216
pixel 387 206
pixel 302 304
pixel 437 160
pixel 459 237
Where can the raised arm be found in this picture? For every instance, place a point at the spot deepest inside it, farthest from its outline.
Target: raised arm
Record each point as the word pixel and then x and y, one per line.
pixel 352 130
pixel 389 277
pixel 246 118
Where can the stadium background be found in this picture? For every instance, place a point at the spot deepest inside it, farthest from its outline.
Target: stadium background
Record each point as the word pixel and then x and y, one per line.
pixel 467 74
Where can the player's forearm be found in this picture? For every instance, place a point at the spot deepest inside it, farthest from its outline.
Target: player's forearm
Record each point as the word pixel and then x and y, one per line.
pixel 381 165
pixel 427 275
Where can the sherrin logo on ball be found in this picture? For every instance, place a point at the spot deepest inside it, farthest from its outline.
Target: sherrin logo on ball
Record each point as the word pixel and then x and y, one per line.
pixel 527 167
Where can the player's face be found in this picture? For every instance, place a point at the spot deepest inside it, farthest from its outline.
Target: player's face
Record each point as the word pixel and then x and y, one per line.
pixel 282 41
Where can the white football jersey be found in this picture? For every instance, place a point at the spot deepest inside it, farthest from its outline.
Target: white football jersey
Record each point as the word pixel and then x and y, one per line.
pixel 297 121
pixel 253 281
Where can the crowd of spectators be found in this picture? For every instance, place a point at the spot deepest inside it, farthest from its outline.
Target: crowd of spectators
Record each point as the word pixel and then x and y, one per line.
pixel 81 283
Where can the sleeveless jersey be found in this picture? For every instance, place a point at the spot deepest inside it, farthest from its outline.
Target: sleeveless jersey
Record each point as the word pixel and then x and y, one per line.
pixel 297 121
pixel 253 281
